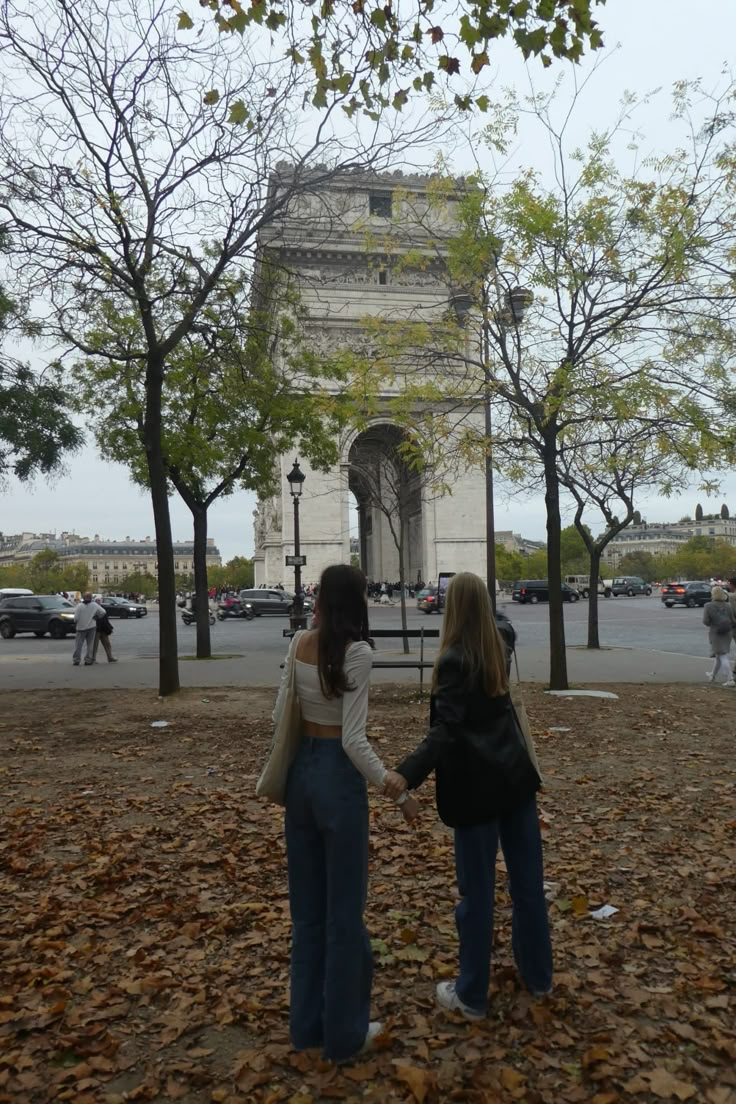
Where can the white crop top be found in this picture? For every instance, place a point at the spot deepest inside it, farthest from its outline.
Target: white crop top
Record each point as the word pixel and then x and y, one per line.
pixel 350 711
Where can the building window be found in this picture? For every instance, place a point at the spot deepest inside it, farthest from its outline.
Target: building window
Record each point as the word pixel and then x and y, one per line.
pixel 176 565
pixel 115 578
pixel 94 566
pixel 380 204
pixel 107 578
pixel 94 578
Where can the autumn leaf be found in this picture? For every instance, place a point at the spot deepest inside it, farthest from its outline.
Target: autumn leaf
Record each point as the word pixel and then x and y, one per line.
pixel 665 1085
pixel 419 1081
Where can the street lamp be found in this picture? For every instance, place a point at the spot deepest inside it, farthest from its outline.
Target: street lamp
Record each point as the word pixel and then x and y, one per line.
pixel 296 479
pixel 516 301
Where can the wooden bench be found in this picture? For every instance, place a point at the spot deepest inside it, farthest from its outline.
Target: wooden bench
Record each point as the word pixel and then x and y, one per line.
pixel 408 662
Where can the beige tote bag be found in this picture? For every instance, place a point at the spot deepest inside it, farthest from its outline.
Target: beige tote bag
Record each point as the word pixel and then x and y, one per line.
pixel 286 738
pixel 518 700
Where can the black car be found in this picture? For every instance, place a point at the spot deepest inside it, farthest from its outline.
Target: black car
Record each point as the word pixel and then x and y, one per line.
pixel 537 590
pixel 36 613
pixel 121 607
pixel 686 594
pixel 427 600
pixel 629 585
pixel 263 601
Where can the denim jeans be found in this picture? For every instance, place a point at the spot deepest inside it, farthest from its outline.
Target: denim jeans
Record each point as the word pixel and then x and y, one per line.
pixel 327 851
pixel 475 861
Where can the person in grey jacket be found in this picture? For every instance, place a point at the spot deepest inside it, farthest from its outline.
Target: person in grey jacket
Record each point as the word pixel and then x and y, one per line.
pixel 86 616
pixel 732 603
pixel 718 615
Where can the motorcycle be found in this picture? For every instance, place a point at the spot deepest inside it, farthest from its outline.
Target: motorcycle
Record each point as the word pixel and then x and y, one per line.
pixel 189 618
pixel 235 610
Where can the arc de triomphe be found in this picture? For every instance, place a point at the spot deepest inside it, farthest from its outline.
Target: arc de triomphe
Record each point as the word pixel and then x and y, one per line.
pixel 334 241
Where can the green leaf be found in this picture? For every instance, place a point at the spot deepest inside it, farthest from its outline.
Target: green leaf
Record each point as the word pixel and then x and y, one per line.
pixel 185 23
pixel 212 97
pixel 238 113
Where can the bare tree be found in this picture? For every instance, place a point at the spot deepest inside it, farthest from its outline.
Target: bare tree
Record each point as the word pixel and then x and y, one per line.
pixel 138 164
pixel 607 468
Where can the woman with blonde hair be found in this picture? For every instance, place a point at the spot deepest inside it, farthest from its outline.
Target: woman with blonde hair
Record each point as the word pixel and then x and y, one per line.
pixel 485 786
pixel 719 617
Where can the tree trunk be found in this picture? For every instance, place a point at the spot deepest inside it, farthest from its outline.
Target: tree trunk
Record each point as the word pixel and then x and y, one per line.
pixel 557 653
pixel 168 660
pixel 595 570
pixel 201 590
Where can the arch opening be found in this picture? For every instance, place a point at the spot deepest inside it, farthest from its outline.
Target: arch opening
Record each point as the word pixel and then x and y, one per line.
pixel 389 505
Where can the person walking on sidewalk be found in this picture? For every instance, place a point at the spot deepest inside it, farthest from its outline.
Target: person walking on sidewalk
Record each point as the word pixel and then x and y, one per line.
pixel 104 632
pixel 471 708
pixel 719 617
pixel 85 622
pixel 327 822
pixel 732 603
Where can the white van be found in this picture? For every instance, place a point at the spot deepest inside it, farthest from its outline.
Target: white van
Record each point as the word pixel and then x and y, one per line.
pixel 581 583
pixel 13 592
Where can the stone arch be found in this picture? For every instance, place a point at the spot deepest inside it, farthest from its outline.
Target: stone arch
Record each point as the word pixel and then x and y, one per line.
pixel 390 501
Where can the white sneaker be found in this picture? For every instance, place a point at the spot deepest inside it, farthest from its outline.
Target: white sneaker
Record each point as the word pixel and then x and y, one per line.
pixel 374 1030
pixel 730 683
pixel 709 676
pixel 448 999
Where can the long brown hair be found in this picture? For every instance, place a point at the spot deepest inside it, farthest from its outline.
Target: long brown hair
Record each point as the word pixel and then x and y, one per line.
pixel 342 609
pixel 470 628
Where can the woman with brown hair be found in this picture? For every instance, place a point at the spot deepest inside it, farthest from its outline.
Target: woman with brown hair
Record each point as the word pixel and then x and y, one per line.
pixel 471 708
pixel 327 822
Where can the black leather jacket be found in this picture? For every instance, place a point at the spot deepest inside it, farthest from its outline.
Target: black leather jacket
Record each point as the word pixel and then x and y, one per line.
pixel 458 710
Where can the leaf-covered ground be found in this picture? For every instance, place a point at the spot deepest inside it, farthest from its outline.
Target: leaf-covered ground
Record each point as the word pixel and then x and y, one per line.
pixel 145 934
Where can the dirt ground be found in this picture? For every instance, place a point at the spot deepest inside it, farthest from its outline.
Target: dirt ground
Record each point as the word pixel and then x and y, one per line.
pixel 144 920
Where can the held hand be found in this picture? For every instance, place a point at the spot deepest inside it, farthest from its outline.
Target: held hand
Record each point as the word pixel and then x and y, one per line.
pixel 394 785
pixel 410 809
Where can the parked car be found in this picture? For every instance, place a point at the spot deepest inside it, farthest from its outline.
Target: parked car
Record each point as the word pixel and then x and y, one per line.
pixel 427 600
pixel 690 594
pixel 537 590
pixel 263 601
pixel 121 607
pixel 36 613
pixel 630 585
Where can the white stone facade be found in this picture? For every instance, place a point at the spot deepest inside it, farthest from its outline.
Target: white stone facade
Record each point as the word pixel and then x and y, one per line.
pixel 347 254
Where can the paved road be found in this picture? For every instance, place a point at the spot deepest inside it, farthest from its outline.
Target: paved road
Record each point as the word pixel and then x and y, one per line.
pixel 643 641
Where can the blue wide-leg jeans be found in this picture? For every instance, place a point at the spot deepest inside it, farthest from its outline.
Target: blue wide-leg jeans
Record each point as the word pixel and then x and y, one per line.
pixel 327 851
pixel 475 861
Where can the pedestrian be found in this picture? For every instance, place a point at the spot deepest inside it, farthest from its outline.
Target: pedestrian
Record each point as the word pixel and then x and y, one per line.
pixel 104 632
pixel 470 704
pixel 85 622
pixel 326 822
pixel 732 603
pixel 719 616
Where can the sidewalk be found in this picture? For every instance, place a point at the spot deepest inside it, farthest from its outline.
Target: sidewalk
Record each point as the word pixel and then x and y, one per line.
pixel 254 668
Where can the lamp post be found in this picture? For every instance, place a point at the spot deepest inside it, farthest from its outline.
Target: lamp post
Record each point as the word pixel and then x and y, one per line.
pixel 516 302
pixel 296 479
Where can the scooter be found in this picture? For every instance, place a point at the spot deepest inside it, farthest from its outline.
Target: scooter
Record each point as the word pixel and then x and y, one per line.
pixel 235 610
pixel 189 618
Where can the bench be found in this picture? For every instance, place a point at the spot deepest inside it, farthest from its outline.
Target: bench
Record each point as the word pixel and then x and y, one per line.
pixel 409 663
pixel 421 664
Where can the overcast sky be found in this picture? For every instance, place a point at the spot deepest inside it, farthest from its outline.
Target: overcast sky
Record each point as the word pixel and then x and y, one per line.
pixel 660 41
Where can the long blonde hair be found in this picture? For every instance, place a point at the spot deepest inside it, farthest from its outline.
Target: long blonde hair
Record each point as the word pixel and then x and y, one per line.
pixel 470 627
